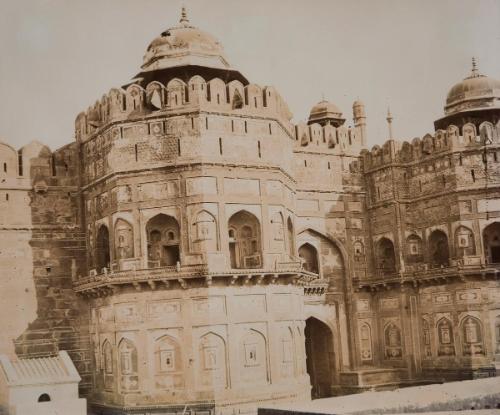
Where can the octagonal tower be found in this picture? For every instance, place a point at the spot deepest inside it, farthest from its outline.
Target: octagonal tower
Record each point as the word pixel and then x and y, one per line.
pixel 193 283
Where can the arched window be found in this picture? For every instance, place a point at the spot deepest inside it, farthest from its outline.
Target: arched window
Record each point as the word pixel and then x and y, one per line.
pixel 163 241
pixel 464 242
pixel 309 255
pixel 393 342
pixel 290 238
pixel 472 337
pixel 44 397
pixel 124 240
pixel 245 245
pixel 128 365
pixel 439 253
pixel 103 257
pixel 414 249
pixel 446 345
pixel 491 237
pixel 386 257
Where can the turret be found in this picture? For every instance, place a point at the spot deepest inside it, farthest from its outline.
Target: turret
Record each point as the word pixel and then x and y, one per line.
pixel 359 118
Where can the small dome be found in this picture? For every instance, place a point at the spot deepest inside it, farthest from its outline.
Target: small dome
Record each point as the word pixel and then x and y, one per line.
pixel 475 91
pixel 324 110
pixel 184 45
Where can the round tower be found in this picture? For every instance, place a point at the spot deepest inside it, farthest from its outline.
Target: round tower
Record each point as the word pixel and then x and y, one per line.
pixel 194 281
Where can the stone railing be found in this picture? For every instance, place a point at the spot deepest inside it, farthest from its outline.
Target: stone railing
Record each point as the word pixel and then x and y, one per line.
pixel 462 268
pixel 180 274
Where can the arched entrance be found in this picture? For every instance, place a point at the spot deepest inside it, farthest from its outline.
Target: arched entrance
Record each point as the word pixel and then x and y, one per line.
pixel 491 237
pixel 320 360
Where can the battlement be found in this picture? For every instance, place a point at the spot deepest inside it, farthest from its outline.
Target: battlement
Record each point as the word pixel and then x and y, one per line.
pixel 451 139
pixel 197 94
pixel 35 160
pixel 340 140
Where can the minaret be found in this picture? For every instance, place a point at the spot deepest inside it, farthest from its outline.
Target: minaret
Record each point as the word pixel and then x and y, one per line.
pixel 389 123
pixel 359 118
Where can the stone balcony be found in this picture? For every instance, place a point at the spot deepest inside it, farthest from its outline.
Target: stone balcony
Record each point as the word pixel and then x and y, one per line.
pixel 456 269
pixel 184 276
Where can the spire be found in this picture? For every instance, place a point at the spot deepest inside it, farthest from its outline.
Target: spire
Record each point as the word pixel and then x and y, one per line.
pixel 389 122
pixel 184 19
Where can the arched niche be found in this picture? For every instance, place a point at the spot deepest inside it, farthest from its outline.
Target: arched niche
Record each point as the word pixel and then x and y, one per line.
pixel 365 343
pixel 103 256
pixel 213 361
pixel 287 352
pixel 414 249
pixel 309 255
pixel 277 233
pixel 385 256
pixel 128 365
pixel 107 365
pixel 472 337
pixel 163 235
pixel 446 344
pixel 464 242
pixel 204 232
pixel 244 240
pixel 393 342
pixel 253 357
pixel 439 252
pixel 491 239
pixel 124 240
pixel 426 338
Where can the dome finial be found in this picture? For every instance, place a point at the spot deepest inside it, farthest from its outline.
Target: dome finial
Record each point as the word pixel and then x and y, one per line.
pixel 474 67
pixel 184 18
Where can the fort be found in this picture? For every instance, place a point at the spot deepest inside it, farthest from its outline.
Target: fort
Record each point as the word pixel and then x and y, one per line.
pixel 193 248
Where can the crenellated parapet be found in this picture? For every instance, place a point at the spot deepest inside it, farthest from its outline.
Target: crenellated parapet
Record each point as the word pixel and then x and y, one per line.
pixel 334 140
pixel 453 139
pixel 155 99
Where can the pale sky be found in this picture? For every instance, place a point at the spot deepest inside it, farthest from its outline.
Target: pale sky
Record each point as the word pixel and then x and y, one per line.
pixel 59 56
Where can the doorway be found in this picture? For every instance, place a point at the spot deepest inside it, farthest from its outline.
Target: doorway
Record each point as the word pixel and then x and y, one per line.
pixel 320 359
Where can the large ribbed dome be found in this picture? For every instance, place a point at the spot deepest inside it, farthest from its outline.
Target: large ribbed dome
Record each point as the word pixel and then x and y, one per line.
pixel 475 91
pixel 184 45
